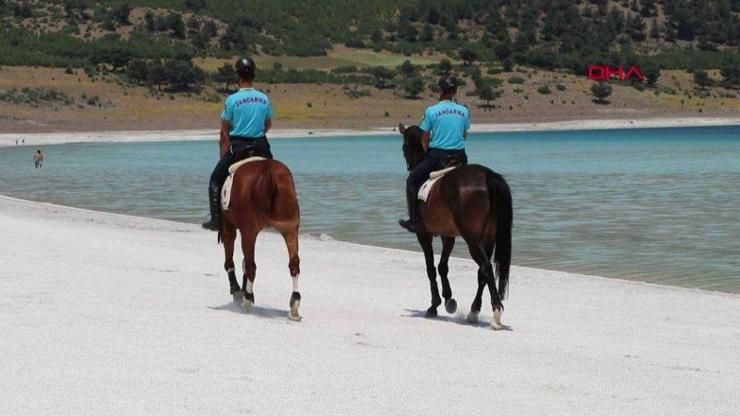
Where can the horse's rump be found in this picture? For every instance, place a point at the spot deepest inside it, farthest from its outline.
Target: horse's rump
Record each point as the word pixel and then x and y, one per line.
pixel 264 190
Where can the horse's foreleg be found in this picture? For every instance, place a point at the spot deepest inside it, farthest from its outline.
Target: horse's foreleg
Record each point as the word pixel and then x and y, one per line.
pixel 249 238
pixel 448 243
pixel 229 237
pixel 426 244
pixel 294 264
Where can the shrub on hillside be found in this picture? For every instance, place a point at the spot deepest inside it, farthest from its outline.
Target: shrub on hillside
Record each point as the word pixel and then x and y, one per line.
pixel 515 80
pixel 412 87
pixel 601 91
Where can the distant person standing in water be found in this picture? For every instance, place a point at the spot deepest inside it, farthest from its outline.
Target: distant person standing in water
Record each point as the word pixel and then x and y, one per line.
pixel 246 118
pixel 38 159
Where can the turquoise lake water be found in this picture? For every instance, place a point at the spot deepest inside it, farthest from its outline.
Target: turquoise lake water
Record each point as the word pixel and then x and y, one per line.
pixel 657 205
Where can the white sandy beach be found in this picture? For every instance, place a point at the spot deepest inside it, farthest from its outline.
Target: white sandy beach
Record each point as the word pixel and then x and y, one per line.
pixel 105 314
pixel 40 139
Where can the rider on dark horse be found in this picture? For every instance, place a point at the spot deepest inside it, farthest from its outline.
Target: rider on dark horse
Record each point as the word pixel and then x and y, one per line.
pixel 246 118
pixel 445 126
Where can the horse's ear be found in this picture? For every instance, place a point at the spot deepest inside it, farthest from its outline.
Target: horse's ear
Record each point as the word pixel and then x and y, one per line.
pixel 401 128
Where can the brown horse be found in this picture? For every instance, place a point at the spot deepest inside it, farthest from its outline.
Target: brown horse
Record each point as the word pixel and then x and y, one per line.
pixel 262 195
pixel 473 202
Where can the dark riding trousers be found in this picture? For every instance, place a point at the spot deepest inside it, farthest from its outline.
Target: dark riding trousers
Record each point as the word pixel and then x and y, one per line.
pixel 239 148
pixel 435 159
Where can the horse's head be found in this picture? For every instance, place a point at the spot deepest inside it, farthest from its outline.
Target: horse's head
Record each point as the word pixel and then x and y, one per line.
pixel 413 151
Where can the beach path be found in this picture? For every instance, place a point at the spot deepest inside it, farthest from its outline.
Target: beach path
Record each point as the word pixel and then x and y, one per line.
pixel 110 314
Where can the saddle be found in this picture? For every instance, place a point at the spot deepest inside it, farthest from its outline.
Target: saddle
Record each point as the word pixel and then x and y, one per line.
pixel 444 166
pixel 426 187
pixel 226 189
pixel 250 151
pixel 452 161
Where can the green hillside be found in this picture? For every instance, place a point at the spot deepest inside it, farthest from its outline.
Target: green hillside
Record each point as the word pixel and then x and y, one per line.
pixel 153 41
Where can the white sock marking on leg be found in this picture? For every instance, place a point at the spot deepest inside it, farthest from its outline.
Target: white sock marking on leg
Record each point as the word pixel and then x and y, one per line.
pixel 295 283
pixel 250 285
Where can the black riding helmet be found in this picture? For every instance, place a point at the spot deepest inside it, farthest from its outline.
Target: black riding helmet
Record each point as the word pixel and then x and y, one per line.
pixel 447 83
pixel 244 67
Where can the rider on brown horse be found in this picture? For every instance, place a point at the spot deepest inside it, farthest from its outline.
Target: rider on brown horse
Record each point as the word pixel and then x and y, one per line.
pixel 246 118
pixel 446 124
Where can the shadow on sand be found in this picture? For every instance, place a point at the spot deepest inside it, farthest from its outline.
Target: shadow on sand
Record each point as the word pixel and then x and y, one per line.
pixel 456 319
pixel 261 311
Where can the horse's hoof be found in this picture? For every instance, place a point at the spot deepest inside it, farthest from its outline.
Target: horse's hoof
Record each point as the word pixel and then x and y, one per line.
pixel 431 312
pixel 473 317
pixel 295 303
pixel 451 306
pixel 293 315
pixel 496 321
pixel 247 305
pixel 238 297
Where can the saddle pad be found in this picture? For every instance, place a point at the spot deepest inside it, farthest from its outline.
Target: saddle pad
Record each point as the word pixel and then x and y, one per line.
pixel 241 163
pixel 226 189
pixel 426 187
pixel 440 173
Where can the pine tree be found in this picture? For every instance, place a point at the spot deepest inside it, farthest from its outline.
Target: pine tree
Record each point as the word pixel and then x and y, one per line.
pixel 468 56
pixel 601 91
pixel 701 79
pixel 487 94
pixel 413 87
pixel 225 74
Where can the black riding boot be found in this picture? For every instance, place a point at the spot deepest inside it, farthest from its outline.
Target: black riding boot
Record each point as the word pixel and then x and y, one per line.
pixel 411 224
pixel 214 200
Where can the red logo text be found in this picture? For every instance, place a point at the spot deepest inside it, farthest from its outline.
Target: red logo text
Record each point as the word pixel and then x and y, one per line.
pixel 604 73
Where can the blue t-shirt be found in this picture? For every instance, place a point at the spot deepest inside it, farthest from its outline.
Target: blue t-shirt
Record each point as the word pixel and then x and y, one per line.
pixel 448 123
pixel 247 110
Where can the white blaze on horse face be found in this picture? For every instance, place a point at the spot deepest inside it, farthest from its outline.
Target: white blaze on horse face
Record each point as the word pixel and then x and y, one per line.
pixel 295 283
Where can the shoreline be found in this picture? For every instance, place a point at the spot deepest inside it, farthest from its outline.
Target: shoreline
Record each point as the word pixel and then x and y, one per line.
pixel 100 303
pixel 141 136
pixel 312 237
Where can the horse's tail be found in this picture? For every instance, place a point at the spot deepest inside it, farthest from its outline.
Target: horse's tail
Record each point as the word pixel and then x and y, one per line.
pixel 277 198
pixel 266 192
pixel 501 204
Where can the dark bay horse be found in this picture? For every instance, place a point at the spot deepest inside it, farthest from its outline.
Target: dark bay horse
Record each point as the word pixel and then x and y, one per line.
pixel 472 202
pixel 262 195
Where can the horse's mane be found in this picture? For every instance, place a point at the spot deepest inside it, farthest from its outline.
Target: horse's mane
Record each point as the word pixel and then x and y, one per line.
pixel 413 135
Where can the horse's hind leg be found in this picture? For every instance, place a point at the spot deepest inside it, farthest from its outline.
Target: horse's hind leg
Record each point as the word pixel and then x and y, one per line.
pixel 485 277
pixel 490 277
pixel 249 237
pixel 426 244
pixel 448 243
pixel 294 264
pixel 229 237
pixel 475 307
pixel 498 307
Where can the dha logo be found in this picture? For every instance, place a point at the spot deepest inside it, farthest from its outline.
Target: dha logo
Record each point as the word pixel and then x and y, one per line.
pixel 604 73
